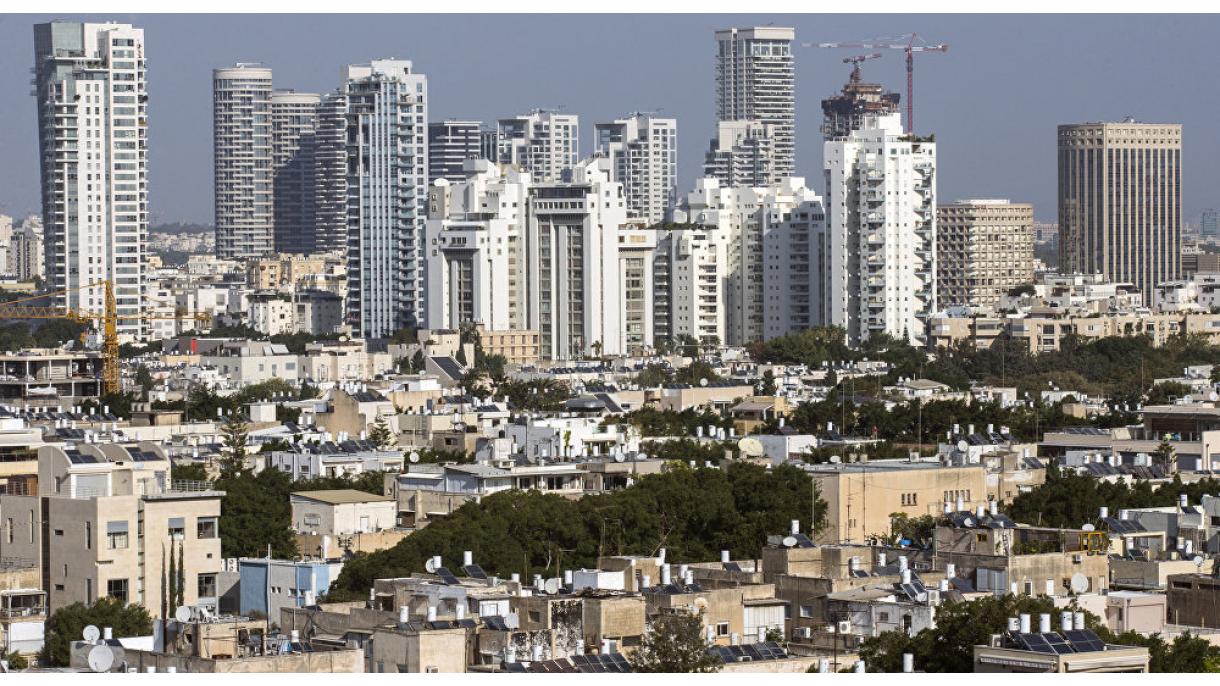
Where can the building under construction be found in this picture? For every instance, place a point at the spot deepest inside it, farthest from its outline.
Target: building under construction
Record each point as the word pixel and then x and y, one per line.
pixel 845 112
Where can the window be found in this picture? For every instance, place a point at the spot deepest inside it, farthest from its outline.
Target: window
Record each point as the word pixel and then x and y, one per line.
pixel 177 527
pixel 722 629
pixel 116 535
pixel 312 521
pixel 207 586
pixel 205 527
pixel 806 611
pixel 117 588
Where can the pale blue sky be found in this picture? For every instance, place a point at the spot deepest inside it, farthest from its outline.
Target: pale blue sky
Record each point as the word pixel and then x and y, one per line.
pixel 993 101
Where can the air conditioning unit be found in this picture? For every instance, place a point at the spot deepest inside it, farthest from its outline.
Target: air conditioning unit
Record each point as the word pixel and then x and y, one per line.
pixel 844 627
pixel 804 632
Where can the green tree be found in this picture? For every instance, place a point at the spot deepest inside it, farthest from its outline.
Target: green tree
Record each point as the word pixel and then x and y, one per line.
pixel 766 385
pixel 675 644
pixel 144 378
pixel 66 624
pixel 255 514
pixel 417 361
pixel 234 434
pixel 381 435
pixel 15 660
pixel 1164 455
pixel 190 472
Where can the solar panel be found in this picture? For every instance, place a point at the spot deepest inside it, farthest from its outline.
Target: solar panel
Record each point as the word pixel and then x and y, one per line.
pixel 859 573
pixel 78 458
pixel 494 623
pixel 802 541
pixel 732 567
pixel 1084 641
pixel 447 576
pixel 474 572
pixel 1057 644
pixel 1034 642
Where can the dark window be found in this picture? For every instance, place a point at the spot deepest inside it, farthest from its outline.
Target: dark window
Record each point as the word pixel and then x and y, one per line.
pixel 117 588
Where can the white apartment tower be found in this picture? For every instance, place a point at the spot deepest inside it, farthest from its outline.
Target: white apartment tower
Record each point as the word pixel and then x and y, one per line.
pixel 294 122
pixel 26 252
pixel 571 253
pixel 878 273
pixel 643 152
pixel 242 159
pixel 93 126
pixel 387 153
pixel 741 154
pixel 755 80
pixel 545 144
pixel 690 272
pixel 473 242
pixel 791 295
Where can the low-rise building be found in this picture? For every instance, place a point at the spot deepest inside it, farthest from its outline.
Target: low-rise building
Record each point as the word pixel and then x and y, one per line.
pixel 341 512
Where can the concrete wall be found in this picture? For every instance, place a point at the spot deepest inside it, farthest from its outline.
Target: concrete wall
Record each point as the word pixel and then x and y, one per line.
pixel 327 662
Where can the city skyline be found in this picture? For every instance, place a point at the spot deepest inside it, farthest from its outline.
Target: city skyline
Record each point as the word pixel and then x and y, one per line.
pixel 999 125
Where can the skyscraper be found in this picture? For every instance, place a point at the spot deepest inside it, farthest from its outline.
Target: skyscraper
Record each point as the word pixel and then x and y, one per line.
pixel 741 154
pixel 984 248
pixel 294 122
pixel 241 139
pixel 451 143
pixel 1120 202
pixel 643 152
pixel 387 191
pixel 545 144
pixel 878 273
pixel 755 80
pixel 1209 225
pixel 330 173
pixel 93 126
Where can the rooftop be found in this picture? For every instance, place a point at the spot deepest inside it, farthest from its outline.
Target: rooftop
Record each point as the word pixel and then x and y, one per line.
pixel 342 496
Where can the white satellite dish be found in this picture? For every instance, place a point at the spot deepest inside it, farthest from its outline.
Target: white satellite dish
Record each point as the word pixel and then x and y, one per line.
pixel 552 586
pixel 512 620
pixel 431 566
pixel 413 457
pixel 91 633
pixel 750 446
pixel 101 659
pixel 703 382
pixel 1198 560
pixel 183 614
pixel 962 446
pixel 1079 583
pixel 1087 527
pixel 619 457
pixel 789 541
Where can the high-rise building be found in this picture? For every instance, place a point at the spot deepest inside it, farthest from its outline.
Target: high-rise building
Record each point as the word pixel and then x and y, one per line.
pixel 690 275
pixel 1209 224
pixel 474 235
pixel 545 144
pixel 451 143
pixel 241 135
pixel 755 80
pixel 387 189
pixel 984 249
pixel 294 173
pixel 26 253
pixel 93 125
pixel 330 174
pixel 643 152
pixel 790 249
pixel 878 273
pixel 845 112
pixel 573 289
pixel 637 247
pixel 1120 201
pixel 741 154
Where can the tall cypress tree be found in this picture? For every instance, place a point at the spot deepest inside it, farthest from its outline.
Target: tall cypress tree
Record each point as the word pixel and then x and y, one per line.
pixel 173 577
pixel 181 573
pixel 164 590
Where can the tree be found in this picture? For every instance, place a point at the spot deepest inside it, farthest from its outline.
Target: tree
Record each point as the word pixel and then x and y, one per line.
pixel 255 514
pixel 66 624
pixel 381 436
pixel 15 660
pixel 417 361
pixel 234 433
pixel 675 645
pixel 1164 455
pixel 766 385
pixel 144 378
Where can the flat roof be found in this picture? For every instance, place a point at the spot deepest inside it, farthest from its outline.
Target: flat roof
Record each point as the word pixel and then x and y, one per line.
pixel 342 496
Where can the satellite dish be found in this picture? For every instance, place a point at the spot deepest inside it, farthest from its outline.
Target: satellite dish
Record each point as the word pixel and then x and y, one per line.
pixel 750 446
pixel 91 633
pixel 512 620
pixel 552 586
pixel 962 446
pixel 619 457
pixel 413 457
pixel 968 522
pixel 1213 396
pixel 431 566
pixel 1087 527
pixel 183 614
pixel 1198 560
pixel 101 659
pixel 1079 583
pixel 789 541
pixel 703 381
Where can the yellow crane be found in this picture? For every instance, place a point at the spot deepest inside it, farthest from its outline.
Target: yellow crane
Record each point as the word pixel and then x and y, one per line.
pixel 109 319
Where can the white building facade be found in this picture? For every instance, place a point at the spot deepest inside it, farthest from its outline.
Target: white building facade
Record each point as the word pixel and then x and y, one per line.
pixel 545 144
pixel 241 145
pixel 643 152
pixel 755 80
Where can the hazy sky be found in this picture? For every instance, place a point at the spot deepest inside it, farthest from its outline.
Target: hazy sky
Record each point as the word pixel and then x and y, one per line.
pixel 993 100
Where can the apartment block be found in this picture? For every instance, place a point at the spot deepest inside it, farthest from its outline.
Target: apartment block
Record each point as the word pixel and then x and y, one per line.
pixel 241 135
pixel 755 80
pixel 451 143
pixel 741 154
pixel 984 249
pixel 545 144
pixel 643 150
pixel 294 169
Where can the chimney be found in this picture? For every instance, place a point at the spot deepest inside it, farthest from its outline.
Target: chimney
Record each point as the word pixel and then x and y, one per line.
pixel 295 636
pixel 537 653
pixel 902 563
pixel 661 556
pixel 859 667
pixel 605 646
pixel 1024 617
pixel 971 431
pixel 1044 623
pixel 823 666
pixel 980 511
pixel 645 581
pixel 908 662
pixel 906 576
pixel 880 559
pixel 1103 512
pixel 944 585
pixel 1014 624
pixel 951 571
pixel 567 578
pixel 995 508
pixel 107 633
pixel 1183 501
pixel 515 578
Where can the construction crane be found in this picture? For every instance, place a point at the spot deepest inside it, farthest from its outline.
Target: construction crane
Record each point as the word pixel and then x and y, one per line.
pixel 855 64
pixel 109 319
pixel 910 48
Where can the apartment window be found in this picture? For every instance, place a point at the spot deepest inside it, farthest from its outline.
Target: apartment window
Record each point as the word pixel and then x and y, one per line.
pixel 312 521
pixel 535 616
pixel 722 629
pixel 207 586
pixel 177 527
pixel 116 535
pixel 117 588
pixel 806 611
pixel 205 527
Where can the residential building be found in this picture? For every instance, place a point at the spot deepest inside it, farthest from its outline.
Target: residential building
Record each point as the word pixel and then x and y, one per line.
pixel 387 156
pixel 545 144
pixel 792 245
pixel 518 346
pixel 1075 650
pixel 92 131
pixel 643 152
pixel 571 257
pixel 691 268
pixel 27 251
pixel 268 586
pixel 241 135
pixel 984 249
pixel 879 271
pixel 1209 224
pixel 755 80
pixel 342 512
pixel 450 144
pixel 637 248
pixel 330 174
pixel 294 122
pixel 741 154
pixel 1120 203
